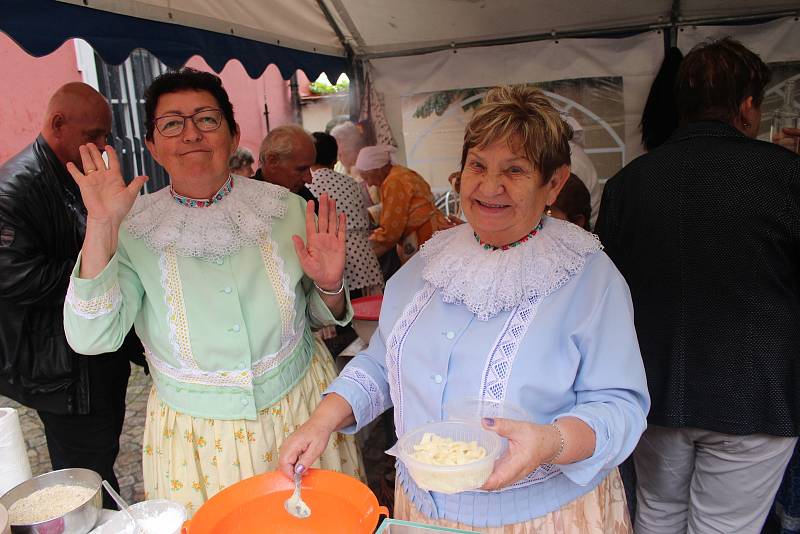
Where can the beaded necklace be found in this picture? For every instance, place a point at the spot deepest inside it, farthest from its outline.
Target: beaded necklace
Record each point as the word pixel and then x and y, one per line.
pixel 518 242
pixel 203 203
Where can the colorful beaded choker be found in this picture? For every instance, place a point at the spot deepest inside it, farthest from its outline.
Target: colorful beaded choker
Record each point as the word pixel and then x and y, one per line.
pixel 203 203
pixel 516 243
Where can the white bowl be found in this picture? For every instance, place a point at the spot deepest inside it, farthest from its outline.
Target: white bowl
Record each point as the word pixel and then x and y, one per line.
pixel 145 512
pixel 449 478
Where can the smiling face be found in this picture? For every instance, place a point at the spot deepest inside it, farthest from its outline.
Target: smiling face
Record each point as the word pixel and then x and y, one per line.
pixel 196 161
pixel 503 195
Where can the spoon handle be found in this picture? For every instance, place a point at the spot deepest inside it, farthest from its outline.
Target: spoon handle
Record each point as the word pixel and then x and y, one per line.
pixel 122 505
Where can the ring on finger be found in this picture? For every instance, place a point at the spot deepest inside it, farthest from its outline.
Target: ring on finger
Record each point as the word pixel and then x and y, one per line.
pixel 89 171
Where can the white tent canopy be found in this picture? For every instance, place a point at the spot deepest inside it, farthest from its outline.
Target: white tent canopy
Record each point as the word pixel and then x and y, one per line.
pixel 411 50
pixel 370 27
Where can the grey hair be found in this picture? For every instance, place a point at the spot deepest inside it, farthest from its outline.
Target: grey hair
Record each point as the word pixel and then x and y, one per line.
pixel 281 141
pixel 241 158
pixel 348 135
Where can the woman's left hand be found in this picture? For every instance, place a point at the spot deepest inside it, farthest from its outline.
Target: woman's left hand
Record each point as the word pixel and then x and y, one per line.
pixel 529 446
pixel 322 256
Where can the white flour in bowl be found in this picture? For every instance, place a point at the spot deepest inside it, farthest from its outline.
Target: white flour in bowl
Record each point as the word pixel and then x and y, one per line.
pixel 163 522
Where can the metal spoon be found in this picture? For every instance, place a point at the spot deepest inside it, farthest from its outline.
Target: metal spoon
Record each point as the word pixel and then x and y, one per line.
pixel 124 507
pixel 294 504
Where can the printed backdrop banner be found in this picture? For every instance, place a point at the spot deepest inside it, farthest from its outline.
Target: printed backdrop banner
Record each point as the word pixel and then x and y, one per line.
pixel 602 83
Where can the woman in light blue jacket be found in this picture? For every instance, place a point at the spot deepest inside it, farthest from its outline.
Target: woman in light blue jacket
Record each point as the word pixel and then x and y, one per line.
pixel 514 307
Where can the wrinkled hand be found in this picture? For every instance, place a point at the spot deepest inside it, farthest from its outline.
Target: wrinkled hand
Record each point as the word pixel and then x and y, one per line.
pixel 322 256
pixel 303 447
pixel 529 446
pixel 104 192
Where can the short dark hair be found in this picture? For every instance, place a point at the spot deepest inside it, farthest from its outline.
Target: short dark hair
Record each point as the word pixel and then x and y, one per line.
pixel 715 78
pixel 574 199
pixel 327 148
pixel 186 79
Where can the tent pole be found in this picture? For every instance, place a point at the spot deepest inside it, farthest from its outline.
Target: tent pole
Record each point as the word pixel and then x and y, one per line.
pixel 335 27
pixel 356 70
pixel 675 18
pixel 604 32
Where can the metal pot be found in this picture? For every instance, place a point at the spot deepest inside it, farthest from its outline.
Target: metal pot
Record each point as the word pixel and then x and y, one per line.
pixel 80 520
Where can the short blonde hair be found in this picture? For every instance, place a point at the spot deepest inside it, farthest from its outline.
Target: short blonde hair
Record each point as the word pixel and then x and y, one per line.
pixel 524 116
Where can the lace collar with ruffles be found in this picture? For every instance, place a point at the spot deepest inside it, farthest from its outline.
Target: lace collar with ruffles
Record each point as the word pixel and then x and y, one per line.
pixel 490 281
pixel 238 219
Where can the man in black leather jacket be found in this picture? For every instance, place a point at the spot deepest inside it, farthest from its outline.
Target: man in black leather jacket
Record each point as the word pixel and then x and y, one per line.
pixel 80 399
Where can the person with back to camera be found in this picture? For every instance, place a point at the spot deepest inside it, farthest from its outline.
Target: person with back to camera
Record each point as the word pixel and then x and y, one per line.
pixel 573 203
pixel 513 307
pixel 361 271
pixel 706 230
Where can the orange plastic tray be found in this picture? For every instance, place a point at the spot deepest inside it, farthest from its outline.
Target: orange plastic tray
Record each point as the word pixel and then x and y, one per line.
pixel 339 504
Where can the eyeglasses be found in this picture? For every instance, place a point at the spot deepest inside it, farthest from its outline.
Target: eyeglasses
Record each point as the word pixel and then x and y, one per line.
pixel 206 120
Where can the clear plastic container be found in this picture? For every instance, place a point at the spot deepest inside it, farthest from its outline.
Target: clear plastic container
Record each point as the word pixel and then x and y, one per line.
pixel 473 409
pixel 786 116
pixel 396 526
pixel 449 478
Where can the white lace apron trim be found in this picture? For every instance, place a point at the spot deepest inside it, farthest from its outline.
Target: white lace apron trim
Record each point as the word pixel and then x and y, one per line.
pixel 217 231
pixel 238 378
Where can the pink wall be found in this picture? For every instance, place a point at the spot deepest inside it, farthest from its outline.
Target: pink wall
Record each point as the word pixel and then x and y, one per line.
pixel 24 96
pixel 248 95
pixel 25 89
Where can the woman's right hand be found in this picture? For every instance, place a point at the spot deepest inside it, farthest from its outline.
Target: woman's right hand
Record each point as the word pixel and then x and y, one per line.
pixel 303 447
pixel 106 196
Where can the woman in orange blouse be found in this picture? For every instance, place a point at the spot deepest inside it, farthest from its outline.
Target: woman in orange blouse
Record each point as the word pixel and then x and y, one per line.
pixel 408 216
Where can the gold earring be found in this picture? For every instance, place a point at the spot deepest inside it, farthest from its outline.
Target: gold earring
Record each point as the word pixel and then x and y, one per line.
pixel 548 211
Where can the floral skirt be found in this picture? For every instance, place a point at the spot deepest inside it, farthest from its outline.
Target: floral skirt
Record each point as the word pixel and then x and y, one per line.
pixel 189 459
pixel 601 511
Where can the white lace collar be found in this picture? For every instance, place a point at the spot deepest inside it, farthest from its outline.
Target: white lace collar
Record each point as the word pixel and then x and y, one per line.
pixel 216 231
pixel 490 281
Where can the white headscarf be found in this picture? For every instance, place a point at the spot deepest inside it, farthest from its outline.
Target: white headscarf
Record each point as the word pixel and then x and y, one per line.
pixel 374 157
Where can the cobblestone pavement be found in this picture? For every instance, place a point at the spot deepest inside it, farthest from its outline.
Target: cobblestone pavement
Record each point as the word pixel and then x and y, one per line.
pixel 380 467
pixel 129 461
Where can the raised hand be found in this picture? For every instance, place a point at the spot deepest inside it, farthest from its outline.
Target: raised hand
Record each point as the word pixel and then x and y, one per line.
pixel 106 196
pixel 322 255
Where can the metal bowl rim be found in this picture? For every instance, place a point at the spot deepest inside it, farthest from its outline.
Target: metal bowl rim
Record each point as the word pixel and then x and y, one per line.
pixel 43 475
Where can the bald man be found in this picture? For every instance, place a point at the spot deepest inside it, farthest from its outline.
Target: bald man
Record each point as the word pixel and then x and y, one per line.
pixel 285 158
pixel 80 399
